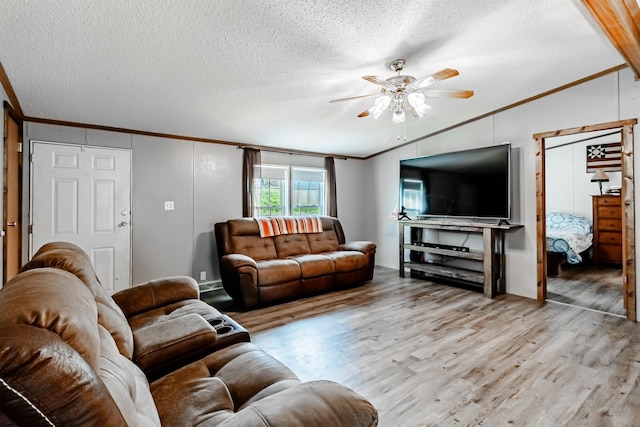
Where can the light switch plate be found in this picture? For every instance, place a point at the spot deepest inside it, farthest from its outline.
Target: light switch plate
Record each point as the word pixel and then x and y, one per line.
pixel 168 205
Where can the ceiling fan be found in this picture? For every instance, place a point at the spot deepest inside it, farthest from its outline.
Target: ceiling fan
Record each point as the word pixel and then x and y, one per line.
pixel 402 93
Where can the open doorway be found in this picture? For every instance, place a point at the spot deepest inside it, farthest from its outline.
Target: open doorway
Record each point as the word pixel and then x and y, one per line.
pixel 583 180
pixel 589 264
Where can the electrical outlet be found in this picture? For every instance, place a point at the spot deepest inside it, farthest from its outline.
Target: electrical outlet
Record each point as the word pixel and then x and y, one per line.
pixel 203 275
pixel 168 205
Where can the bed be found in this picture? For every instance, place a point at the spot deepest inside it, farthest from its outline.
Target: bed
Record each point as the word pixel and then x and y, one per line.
pixel 569 236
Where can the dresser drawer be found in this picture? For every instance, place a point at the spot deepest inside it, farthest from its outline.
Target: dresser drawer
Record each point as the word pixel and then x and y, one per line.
pixel 609 224
pixel 609 212
pixel 608 201
pixel 610 253
pixel 610 237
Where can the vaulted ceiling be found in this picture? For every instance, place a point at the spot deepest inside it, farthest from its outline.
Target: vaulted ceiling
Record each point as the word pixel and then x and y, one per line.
pixel 263 72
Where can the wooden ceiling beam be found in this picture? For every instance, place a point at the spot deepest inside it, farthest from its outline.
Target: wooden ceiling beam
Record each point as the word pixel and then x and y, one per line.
pixel 620 20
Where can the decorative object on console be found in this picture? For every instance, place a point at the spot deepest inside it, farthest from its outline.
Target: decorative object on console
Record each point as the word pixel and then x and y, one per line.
pixel 403 214
pixel 600 177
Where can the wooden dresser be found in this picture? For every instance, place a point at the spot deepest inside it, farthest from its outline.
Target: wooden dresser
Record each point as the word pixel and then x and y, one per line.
pixel 607 229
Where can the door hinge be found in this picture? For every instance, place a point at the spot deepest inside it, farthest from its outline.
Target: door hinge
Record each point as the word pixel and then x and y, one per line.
pixel 31 158
pixel 19 147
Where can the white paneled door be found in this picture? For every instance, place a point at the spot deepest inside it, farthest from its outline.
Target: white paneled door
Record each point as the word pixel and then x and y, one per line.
pixel 82 195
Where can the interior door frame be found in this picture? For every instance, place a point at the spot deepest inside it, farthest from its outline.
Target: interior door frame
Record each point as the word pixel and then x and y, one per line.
pixel 628 211
pixel 11 252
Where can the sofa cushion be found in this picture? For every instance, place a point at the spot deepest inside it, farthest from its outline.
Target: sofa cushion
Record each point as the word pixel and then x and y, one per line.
pixel 244 238
pixel 291 244
pixel 58 365
pixel 314 265
pixel 212 389
pixel 348 260
pixel 326 241
pixel 255 247
pixel 274 271
pixel 70 313
pixel 243 385
pixel 127 385
pixel 69 257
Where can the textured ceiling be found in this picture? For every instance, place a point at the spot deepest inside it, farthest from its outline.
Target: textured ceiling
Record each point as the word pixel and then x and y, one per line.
pixel 263 72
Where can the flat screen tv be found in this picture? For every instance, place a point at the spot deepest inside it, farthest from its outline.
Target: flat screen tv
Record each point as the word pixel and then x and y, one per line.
pixel 473 184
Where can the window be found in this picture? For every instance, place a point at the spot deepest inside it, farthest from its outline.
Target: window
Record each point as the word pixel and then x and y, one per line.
pixel 289 190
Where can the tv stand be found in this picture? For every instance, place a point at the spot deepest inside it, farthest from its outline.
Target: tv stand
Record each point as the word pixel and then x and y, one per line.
pixel 491 257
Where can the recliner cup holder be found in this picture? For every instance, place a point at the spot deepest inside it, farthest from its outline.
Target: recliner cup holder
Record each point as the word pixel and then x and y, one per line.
pixel 228 332
pixel 216 321
pixel 224 329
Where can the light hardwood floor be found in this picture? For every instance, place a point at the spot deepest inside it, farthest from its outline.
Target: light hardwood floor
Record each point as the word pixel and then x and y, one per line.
pixel 428 354
pixel 590 286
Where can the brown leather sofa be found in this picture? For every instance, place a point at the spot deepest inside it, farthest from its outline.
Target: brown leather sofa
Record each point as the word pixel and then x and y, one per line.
pixel 161 324
pixel 256 270
pixel 67 350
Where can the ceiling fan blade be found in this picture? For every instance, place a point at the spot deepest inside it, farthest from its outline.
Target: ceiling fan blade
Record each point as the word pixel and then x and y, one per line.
pixel 447 73
pixel 378 81
pixel 445 93
pixel 352 98
pixel 365 113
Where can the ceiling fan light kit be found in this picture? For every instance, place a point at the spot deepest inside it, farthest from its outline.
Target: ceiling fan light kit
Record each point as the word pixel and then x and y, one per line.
pixel 402 93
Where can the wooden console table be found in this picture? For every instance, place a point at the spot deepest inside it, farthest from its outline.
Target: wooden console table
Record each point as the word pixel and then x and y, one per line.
pixel 492 256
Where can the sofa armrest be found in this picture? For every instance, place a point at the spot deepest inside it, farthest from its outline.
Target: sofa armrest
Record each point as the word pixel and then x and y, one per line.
pixel 156 293
pixel 164 346
pixel 236 261
pixel 359 245
pixel 313 403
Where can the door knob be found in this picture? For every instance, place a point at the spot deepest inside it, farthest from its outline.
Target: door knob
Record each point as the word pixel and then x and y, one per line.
pixel 11 224
pixel 122 224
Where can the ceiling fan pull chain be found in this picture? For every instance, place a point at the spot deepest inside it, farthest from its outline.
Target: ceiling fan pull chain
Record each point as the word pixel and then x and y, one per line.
pixel 404 131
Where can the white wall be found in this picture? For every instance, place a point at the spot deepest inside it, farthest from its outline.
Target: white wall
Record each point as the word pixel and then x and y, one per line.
pixel 609 98
pixel 568 184
pixel 204 182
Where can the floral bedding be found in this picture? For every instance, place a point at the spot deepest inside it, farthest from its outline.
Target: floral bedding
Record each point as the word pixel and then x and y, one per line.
pixel 568 234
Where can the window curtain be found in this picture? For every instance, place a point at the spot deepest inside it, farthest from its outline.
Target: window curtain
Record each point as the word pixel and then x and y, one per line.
pixel 250 159
pixel 332 201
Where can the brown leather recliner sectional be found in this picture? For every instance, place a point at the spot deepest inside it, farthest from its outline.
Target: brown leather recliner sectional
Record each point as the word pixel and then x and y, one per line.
pixel 152 355
pixel 258 270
